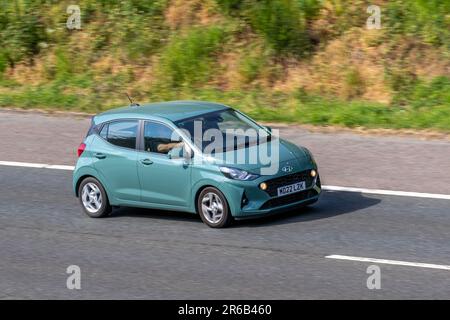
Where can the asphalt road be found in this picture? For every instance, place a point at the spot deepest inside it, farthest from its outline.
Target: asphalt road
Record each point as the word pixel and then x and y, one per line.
pixel 166 255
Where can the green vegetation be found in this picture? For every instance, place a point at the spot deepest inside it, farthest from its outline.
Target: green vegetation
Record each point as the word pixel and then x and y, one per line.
pixel 282 23
pixel 427 19
pixel 188 59
pixel 303 61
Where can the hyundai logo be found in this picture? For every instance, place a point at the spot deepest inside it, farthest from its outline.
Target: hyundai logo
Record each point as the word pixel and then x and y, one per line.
pixel 287 168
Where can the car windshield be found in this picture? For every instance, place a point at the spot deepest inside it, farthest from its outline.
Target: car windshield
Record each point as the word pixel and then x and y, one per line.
pixel 223 130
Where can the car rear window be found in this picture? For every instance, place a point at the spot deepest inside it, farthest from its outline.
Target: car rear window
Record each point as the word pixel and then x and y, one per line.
pixel 121 133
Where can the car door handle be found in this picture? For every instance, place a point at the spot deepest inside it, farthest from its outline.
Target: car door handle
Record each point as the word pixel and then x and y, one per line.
pixel 99 155
pixel 146 162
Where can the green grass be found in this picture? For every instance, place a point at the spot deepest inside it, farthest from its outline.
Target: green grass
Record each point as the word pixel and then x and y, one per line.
pixel 189 59
pixel 428 108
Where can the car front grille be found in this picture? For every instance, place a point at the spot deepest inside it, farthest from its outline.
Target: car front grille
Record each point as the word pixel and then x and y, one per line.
pixel 274 184
pixel 291 198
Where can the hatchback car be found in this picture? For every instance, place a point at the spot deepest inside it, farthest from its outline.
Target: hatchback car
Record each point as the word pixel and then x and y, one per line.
pixel 159 156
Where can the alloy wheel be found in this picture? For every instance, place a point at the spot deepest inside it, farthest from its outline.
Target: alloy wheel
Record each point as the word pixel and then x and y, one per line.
pixel 91 197
pixel 212 207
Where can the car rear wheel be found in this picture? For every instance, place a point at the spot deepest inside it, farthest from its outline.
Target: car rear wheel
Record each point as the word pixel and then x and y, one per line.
pixel 93 198
pixel 213 208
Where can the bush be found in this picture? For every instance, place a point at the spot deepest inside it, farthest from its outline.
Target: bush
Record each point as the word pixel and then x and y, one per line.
pixel 427 19
pixel 188 59
pixel 354 85
pixel 3 63
pixel 21 30
pixel 432 94
pixel 231 7
pixel 283 23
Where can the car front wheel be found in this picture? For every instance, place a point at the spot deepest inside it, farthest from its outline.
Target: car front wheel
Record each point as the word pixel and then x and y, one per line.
pixel 213 208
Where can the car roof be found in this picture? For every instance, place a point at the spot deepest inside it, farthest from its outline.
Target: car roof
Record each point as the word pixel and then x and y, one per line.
pixel 171 110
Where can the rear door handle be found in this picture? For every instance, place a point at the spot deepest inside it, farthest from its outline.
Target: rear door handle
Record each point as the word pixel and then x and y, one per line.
pixel 99 155
pixel 146 162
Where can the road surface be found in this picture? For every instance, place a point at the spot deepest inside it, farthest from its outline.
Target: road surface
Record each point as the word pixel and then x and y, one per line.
pixel 147 254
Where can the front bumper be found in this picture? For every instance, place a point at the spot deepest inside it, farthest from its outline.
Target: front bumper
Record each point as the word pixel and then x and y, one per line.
pixel 256 202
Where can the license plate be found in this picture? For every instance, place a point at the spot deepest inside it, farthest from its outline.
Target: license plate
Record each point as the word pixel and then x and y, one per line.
pixel 292 188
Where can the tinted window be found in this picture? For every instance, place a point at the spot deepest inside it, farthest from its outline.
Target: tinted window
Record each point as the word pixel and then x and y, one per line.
pixel 121 133
pixel 232 125
pixel 159 138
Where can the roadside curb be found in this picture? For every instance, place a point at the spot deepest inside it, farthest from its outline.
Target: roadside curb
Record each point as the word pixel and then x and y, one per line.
pixel 49 112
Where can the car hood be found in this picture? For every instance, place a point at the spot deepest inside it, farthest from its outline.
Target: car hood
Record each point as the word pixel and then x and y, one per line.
pixel 289 153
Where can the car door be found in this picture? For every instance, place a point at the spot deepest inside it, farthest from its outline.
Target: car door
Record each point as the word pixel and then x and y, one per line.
pixel 116 158
pixel 164 180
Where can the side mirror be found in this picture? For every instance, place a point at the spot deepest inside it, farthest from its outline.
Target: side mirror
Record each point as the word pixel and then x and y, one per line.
pixel 188 154
pixel 181 152
pixel 175 153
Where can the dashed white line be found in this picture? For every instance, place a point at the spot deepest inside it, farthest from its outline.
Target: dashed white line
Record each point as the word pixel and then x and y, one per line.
pixel 328 188
pixel 389 192
pixel 392 262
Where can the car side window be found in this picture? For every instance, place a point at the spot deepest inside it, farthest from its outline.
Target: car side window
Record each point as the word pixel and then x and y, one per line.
pixel 160 138
pixel 121 133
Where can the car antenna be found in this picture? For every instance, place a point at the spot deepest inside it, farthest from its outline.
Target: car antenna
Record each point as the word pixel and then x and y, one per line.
pixel 132 104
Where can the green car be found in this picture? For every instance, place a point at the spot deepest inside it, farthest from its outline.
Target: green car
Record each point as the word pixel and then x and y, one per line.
pixel 191 156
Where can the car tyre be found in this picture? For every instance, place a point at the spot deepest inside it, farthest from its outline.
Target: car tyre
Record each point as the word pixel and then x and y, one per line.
pixel 93 198
pixel 213 208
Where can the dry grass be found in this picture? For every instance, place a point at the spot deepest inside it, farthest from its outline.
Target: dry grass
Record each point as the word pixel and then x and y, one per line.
pixel 185 13
pixel 327 71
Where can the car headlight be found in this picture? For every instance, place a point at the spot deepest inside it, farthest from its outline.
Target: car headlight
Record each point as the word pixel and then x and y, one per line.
pixel 237 174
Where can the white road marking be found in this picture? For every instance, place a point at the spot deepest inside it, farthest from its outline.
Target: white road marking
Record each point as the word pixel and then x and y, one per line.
pixel 388 192
pixel 328 188
pixel 36 165
pixel 60 167
pixel 393 262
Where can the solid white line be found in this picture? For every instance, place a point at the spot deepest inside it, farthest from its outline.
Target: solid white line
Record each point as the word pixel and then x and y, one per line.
pixel 59 167
pixel 36 165
pixel 388 192
pixel 328 188
pixel 393 262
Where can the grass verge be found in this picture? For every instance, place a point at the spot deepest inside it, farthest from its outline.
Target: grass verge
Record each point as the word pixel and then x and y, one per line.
pixel 429 107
